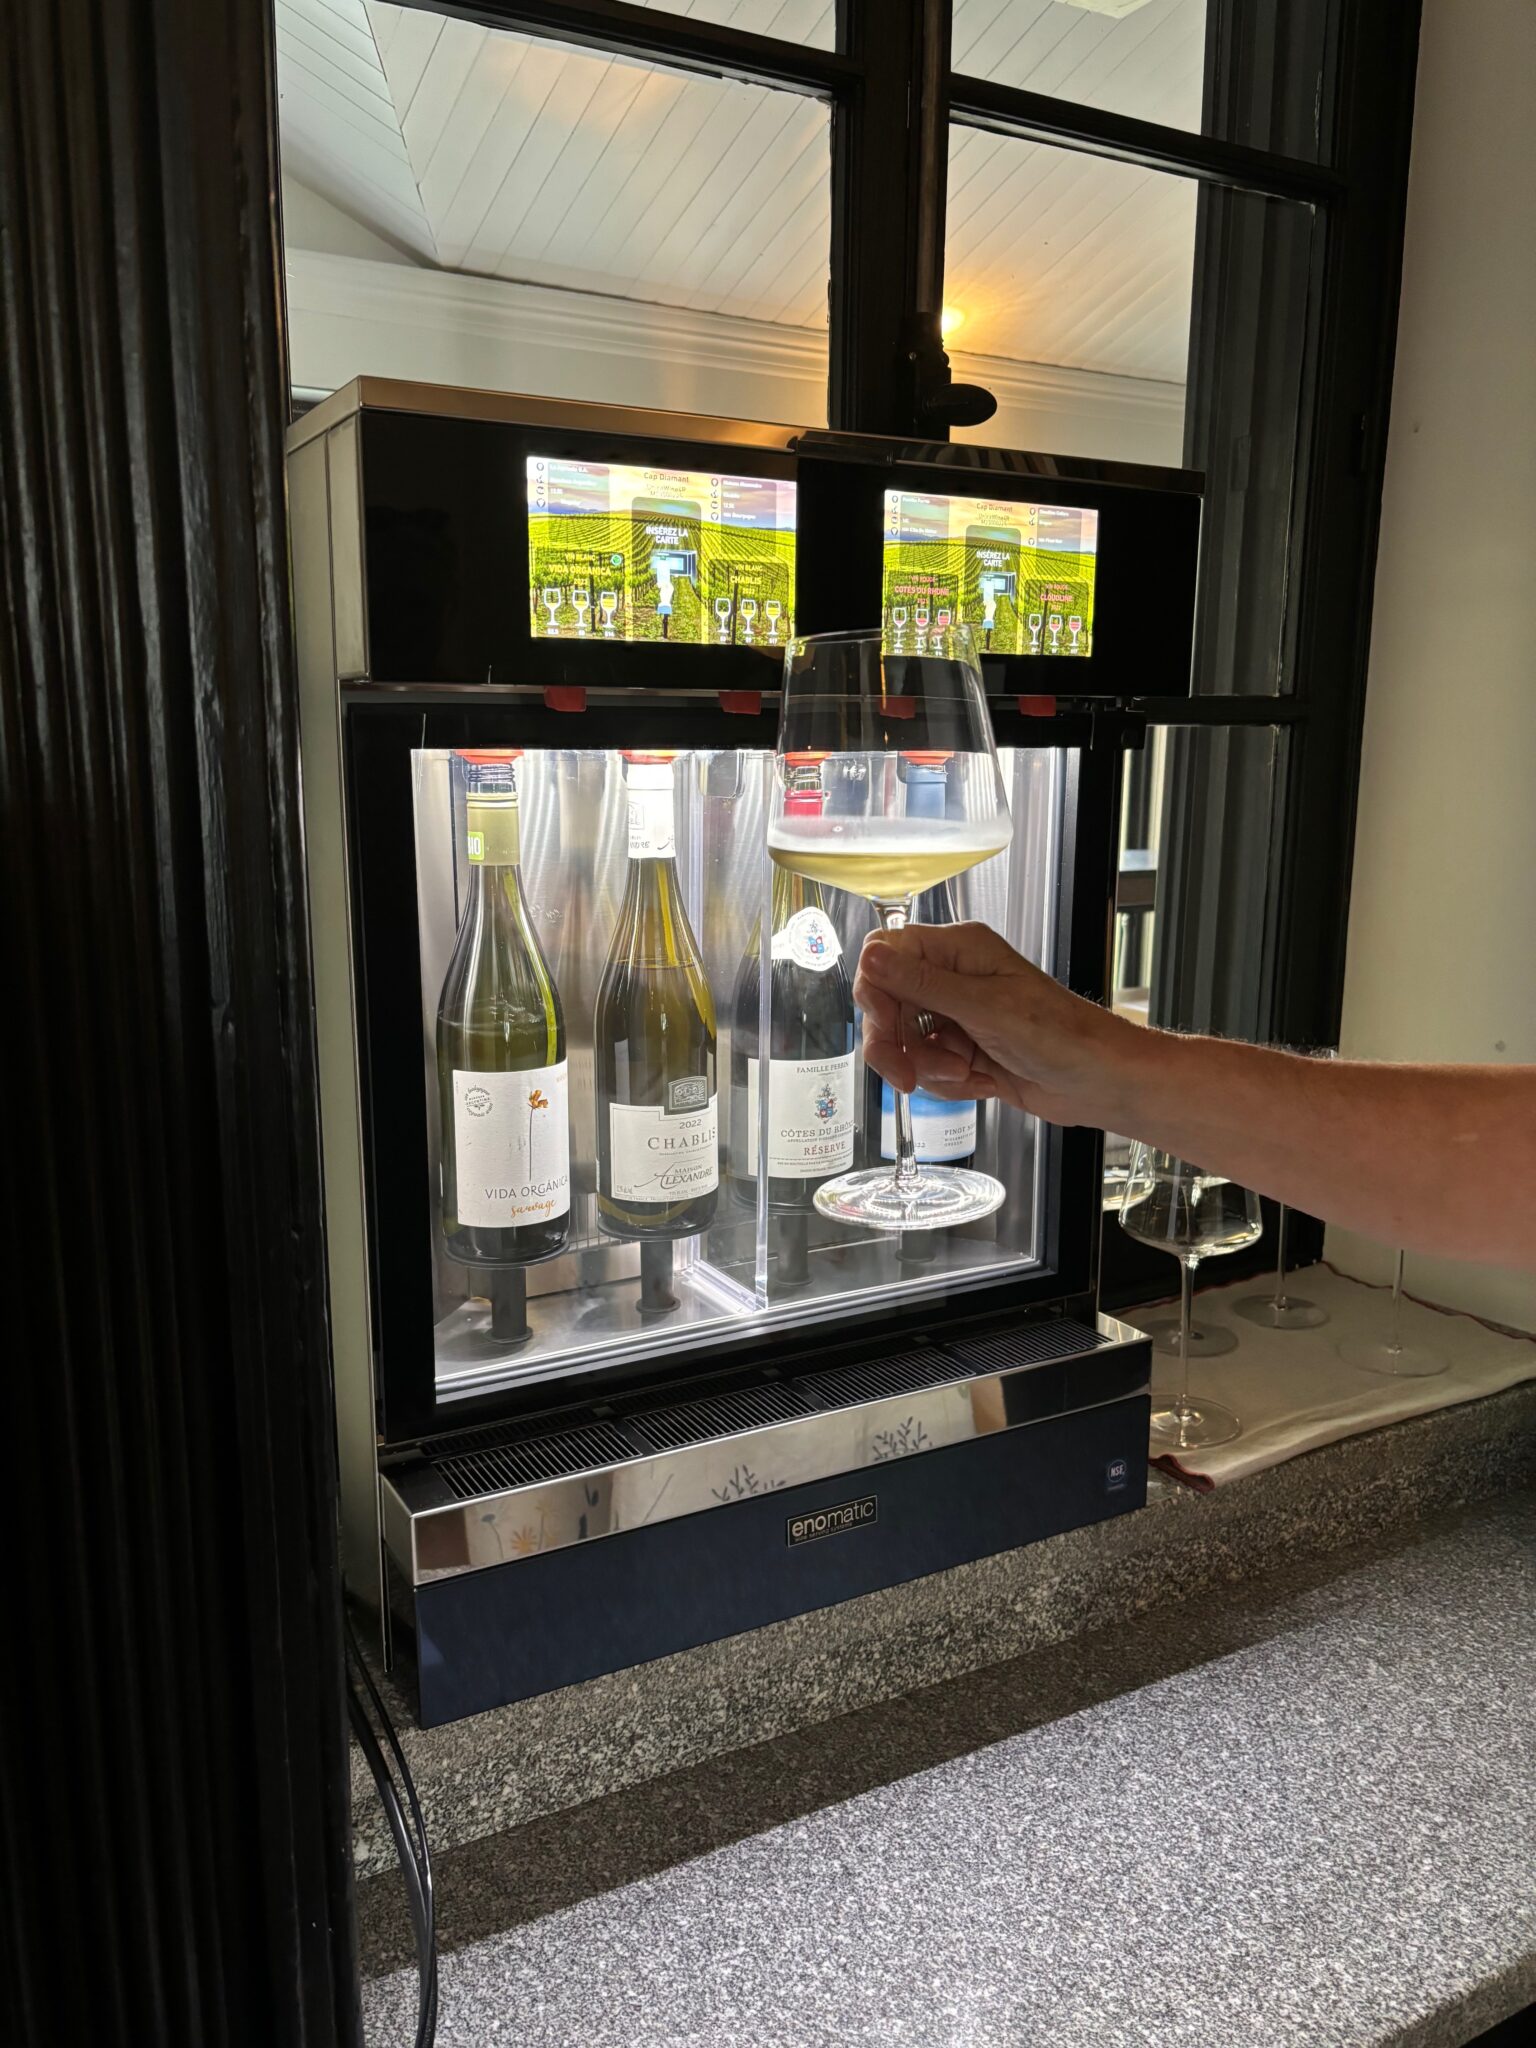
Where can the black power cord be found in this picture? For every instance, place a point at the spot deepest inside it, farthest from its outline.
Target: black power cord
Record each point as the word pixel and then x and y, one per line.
pixel 410 1841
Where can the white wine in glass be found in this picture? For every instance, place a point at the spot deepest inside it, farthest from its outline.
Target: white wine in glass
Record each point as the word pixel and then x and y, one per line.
pixel 1195 1215
pixel 864 707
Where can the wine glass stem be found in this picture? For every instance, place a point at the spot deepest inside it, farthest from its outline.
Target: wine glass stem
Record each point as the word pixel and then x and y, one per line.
pixel 893 916
pixel 1186 1292
pixel 1280 1260
pixel 1395 1341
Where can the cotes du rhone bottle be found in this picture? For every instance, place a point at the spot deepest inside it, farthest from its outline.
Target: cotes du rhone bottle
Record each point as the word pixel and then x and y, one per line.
pixel 943 1132
pixel 506 1148
pixel 658 1151
pixel 811 1105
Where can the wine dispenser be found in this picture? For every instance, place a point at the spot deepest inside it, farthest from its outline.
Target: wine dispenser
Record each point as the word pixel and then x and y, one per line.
pixel 608 1384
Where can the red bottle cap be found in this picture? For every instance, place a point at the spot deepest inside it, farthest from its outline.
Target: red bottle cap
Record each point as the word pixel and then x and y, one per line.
pixel 494 756
pixel 927 760
pixel 657 760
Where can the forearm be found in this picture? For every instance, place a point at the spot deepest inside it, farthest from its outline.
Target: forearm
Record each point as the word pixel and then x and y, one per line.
pixel 1438 1159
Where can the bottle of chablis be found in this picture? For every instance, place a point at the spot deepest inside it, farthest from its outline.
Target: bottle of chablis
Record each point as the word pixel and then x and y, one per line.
pixel 658 1152
pixel 501 1052
pixel 811 1106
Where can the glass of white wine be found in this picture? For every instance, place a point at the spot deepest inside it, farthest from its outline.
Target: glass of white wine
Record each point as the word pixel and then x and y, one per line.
pixel 1196 1215
pixel 861 706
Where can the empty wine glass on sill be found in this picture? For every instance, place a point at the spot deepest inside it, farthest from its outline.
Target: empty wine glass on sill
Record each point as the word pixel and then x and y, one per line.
pixel 1393 1354
pixel 1281 1310
pixel 1195 1215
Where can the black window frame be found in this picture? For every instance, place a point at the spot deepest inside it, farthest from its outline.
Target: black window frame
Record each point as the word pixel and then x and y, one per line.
pixel 893 101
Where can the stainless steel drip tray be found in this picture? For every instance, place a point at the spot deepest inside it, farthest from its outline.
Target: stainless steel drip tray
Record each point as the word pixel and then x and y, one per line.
pixel 521 1491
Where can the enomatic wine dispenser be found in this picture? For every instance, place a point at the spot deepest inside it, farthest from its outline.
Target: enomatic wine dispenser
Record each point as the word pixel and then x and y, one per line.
pixel 608 1384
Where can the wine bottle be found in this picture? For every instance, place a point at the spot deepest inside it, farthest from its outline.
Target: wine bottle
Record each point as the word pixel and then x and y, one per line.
pixel 658 1151
pixel 506 1144
pixel 943 1132
pixel 810 1059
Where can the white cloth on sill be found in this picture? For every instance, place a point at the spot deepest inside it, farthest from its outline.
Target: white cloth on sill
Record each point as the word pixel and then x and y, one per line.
pixel 1293 1392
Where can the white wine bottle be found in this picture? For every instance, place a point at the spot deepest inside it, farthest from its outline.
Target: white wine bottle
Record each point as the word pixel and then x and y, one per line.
pixel 658 1148
pixel 506 1141
pixel 811 1109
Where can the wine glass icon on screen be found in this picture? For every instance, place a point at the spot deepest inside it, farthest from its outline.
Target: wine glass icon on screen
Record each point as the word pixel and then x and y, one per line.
pixel 1035 621
pixel 1074 627
pixel 550 598
pixel 1053 627
pixel 748 610
pixel 581 598
pixel 608 604
pixel 723 614
pixel 898 616
pixel 773 611
pixel 1195 1215
pixel 856 703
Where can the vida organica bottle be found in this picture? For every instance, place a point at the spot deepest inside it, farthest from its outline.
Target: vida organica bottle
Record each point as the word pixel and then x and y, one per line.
pixel 506 1162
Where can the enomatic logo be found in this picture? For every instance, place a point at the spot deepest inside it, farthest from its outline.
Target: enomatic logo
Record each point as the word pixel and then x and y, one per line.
pixel 848 1514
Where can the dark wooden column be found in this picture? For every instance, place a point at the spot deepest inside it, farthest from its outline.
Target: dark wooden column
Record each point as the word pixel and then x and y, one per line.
pixel 173 1809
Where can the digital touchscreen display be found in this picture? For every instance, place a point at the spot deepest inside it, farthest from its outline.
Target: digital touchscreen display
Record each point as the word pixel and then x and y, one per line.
pixel 627 553
pixel 1021 576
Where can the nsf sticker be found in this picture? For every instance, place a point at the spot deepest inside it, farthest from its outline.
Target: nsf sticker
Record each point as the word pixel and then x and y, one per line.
pixel 810 940
pixel 1117 1475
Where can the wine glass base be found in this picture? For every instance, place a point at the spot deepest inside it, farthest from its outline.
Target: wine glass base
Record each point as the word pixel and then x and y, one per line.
pixel 1206 1340
pixel 938 1199
pixel 1284 1312
pixel 1190 1423
pixel 1394 1361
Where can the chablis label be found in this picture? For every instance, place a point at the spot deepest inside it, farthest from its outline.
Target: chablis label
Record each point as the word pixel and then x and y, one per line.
pixel 665 1155
pixel 512 1146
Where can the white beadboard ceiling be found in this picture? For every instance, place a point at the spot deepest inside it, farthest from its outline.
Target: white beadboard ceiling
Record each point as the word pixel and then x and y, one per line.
pixel 509 157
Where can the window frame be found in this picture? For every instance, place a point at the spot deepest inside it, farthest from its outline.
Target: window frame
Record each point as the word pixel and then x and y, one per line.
pixel 894 99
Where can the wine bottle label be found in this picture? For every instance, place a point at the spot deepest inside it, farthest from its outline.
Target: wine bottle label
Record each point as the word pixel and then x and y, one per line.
pixel 512 1147
pixel 651 829
pixel 809 939
pixel 810 1117
pixel 940 1130
pixel 660 1156
pixel 491 834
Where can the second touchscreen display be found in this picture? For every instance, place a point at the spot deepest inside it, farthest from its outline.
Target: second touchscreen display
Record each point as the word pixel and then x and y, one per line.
pixel 1021 576
pixel 620 552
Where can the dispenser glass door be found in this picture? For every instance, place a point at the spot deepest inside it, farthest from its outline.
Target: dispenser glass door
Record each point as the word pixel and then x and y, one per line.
pixel 617 1171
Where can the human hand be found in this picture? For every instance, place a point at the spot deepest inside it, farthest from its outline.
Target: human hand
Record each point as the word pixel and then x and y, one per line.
pixel 1002 1027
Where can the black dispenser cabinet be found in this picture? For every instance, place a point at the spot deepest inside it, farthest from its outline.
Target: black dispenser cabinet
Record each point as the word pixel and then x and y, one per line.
pixel 561 1464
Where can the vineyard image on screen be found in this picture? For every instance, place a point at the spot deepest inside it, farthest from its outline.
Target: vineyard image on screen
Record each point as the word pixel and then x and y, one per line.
pixel 1021 576
pixel 622 553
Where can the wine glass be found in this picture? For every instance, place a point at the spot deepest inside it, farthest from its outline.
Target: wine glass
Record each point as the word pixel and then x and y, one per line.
pixel 1282 1311
pixel 858 702
pixel 1180 1208
pixel 1390 1354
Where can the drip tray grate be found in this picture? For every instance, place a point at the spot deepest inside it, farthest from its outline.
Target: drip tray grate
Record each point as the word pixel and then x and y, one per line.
pixel 728 1413
pixel 1032 1344
pixel 877 1379
pixel 497 1468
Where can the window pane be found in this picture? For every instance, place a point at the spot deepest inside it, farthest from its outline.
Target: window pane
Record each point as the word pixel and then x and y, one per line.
pixel 1140 316
pixel 1149 59
pixel 1067 283
pixel 465 206
pixel 1199 814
